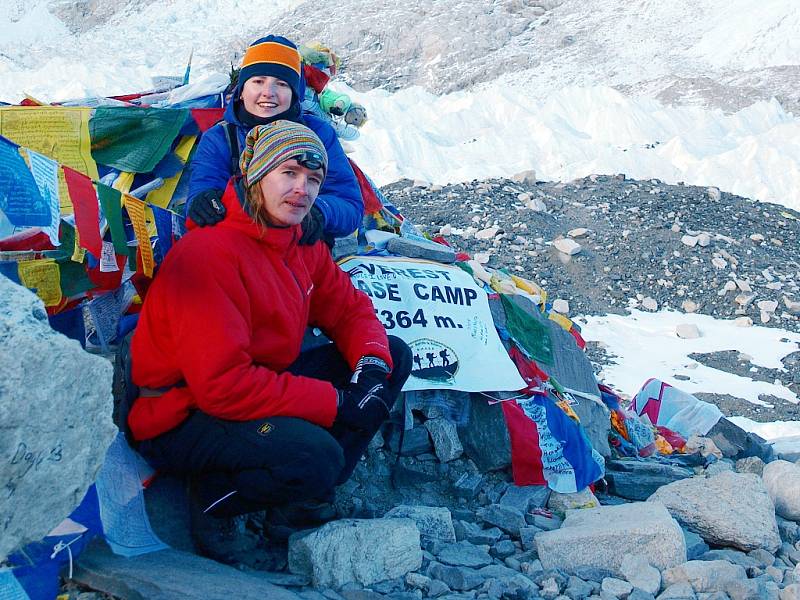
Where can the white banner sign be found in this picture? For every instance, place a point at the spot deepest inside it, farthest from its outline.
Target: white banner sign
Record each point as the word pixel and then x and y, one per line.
pixel 444 316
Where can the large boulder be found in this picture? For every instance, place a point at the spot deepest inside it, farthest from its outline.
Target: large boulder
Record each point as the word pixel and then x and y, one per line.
pixel 363 551
pixel 734 442
pixel 587 536
pixel 55 419
pixel 728 509
pixel 782 480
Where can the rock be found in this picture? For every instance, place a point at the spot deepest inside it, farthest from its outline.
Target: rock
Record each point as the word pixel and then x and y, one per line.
pixel 782 480
pixel 485 536
pixel 689 240
pixel 729 509
pixel 561 306
pixel 416 441
pixel 524 497
pixel 487 234
pixel 704 575
pixel 503 549
pixel 791 592
pixel 757 237
pixel 743 322
pixel 55 416
pixel 528 177
pixel 421 249
pixel 719 263
pixel 485 438
pixel 561 503
pixel 344 246
pixel 791 305
pixel 638 594
pixel 752 464
pixel 468 485
pixel 695 546
pixel 714 194
pixel 679 591
pixel 567 246
pixel 616 587
pixel 704 239
pixel 169 575
pixel 735 442
pixel 546 523
pixel 356 550
pixel 649 304
pixel 687 331
pixel 463 554
pixel 767 306
pixel 445 439
pixel 527 537
pixel 507 518
pixel 536 204
pixel 636 570
pixel 586 537
pixel 433 522
pixel 456 578
pixel 689 306
pixel 638 480
pixel 577 232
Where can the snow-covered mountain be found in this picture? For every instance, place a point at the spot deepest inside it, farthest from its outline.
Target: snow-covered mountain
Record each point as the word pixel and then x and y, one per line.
pixel 700 92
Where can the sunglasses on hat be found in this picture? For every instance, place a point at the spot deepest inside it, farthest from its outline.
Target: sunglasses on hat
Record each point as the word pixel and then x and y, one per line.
pixel 310 160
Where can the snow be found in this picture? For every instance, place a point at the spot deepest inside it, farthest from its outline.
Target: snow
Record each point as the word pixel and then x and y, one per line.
pixel 645 345
pixel 498 132
pixel 784 435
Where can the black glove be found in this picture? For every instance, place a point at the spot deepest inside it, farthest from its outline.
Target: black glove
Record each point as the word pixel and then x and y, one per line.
pixel 312 225
pixel 363 404
pixel 207 208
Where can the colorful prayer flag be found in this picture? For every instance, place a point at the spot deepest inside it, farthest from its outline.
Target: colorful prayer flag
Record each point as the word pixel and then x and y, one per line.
pixel 136 212
pixel 87 210
pixel 43 276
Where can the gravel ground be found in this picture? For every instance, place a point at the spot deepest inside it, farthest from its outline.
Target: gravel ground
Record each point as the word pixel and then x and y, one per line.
pixel 643 244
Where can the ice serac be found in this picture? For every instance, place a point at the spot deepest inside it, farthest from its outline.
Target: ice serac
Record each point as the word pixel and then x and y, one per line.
pixel 362 551
pixel 55 419
pixel 586 536
pixel 728 509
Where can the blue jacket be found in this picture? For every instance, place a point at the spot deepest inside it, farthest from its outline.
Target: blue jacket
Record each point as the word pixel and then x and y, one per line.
pixel 339 198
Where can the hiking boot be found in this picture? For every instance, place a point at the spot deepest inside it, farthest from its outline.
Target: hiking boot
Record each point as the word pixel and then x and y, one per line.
pixel 223 539
pixel 282 521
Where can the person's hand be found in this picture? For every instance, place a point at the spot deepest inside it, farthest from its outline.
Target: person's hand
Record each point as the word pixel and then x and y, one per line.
pixel 363 404
pixel 207 208
pixel 312 226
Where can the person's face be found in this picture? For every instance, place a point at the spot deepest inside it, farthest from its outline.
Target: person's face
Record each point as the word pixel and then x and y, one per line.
pixel 289 192
pixel 266 96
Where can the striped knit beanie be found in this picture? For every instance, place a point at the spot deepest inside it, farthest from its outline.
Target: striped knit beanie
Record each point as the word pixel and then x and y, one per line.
pixel 267 146
pixel 273 56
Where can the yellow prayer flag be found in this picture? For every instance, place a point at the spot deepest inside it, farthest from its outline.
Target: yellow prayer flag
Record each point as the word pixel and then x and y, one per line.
pixel 61 133
pixel 124 182
pixel 530 287
pixel 136 212
pixel 160 197
pixel 563 321
pixel 44 276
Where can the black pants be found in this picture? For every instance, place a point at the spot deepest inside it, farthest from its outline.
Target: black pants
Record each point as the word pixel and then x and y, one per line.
pixel 245 466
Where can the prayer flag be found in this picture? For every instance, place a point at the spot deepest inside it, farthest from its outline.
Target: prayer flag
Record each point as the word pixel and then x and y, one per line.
pixel 132 138
pixel 87 210
pixel 43 276
pixel 136 212
pixel 20 199
pixel 111 203
pixel 45 173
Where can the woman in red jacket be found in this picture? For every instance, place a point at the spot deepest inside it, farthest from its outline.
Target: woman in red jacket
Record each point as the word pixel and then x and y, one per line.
pixel 226 395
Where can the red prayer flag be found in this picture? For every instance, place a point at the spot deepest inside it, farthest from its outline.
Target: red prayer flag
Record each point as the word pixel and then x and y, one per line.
pixel 207 117
pixel 87 212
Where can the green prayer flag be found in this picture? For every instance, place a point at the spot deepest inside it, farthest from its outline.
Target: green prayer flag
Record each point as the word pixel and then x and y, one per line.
pixel 528 330
pixel 132 138
pixel 111 203
pixel 74 279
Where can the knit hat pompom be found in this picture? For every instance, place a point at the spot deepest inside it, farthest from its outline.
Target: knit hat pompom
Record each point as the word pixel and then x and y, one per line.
pixel 273 56
pixel 268 146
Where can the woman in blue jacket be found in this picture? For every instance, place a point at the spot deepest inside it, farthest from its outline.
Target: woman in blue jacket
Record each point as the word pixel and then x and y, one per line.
pixel 270 87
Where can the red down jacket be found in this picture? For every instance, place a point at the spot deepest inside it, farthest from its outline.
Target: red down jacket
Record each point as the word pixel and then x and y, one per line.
pixel 226 315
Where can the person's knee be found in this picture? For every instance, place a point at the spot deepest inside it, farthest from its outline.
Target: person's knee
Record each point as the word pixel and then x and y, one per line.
pixel 401 360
